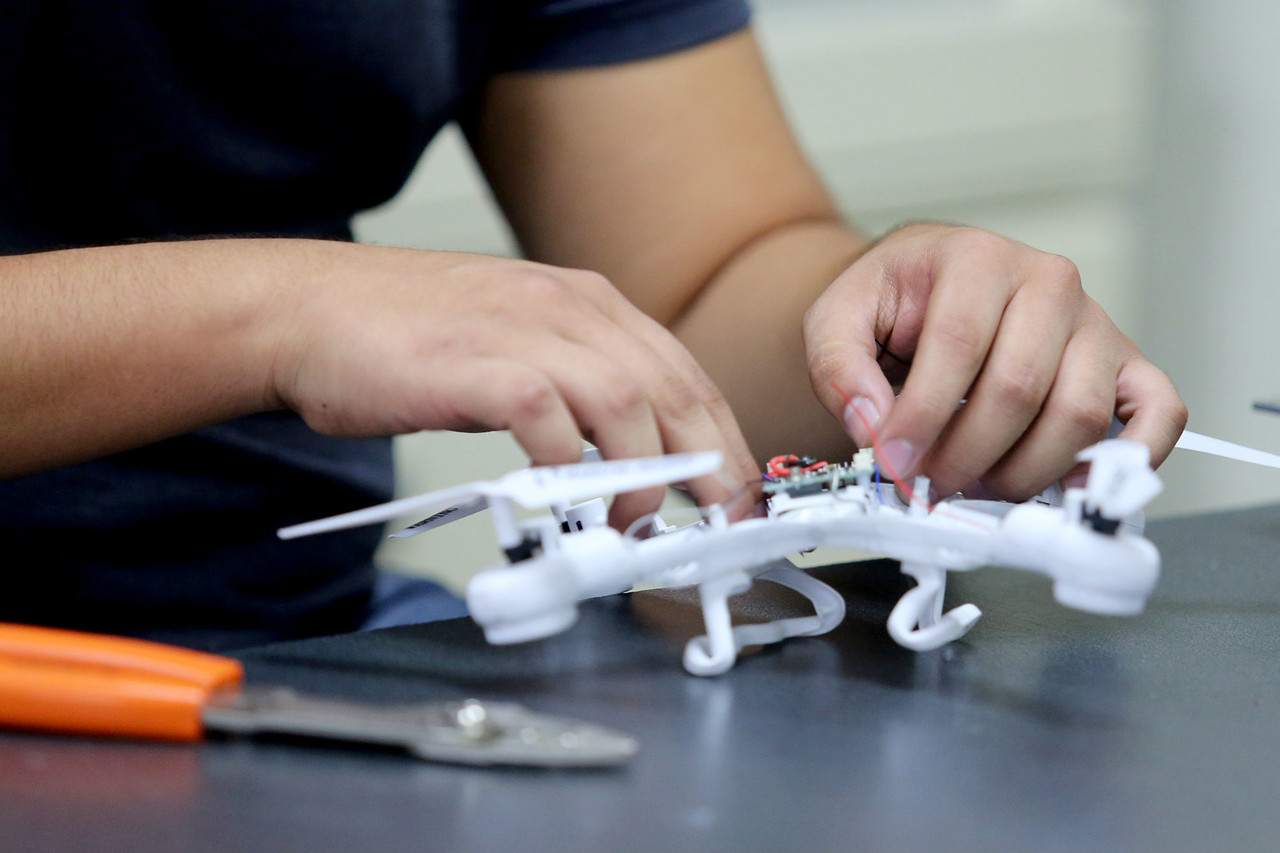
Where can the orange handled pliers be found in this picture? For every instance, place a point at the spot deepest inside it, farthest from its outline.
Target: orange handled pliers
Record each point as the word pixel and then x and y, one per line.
pixel 69 681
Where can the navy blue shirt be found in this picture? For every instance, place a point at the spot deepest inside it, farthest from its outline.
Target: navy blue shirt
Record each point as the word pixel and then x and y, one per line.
pixel 150 119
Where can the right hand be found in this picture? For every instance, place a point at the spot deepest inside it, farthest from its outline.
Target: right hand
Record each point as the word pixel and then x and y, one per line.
pixel 377 341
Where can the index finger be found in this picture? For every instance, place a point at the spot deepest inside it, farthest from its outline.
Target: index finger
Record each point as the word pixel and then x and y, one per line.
pixel 1149 406
pixel 842 333
pixel 692 413
pixel 960 325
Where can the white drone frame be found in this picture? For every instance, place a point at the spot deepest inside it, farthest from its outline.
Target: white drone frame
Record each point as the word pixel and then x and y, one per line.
pixel 1088 541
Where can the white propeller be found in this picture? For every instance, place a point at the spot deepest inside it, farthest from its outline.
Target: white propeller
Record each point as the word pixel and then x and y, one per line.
pixel 439 519
pixel 1217 447
pixel 529 487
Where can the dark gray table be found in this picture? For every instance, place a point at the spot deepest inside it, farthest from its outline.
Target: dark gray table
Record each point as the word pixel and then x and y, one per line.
pixel 1043 729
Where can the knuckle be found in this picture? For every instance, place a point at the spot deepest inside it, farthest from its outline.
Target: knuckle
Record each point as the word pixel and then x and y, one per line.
pixel 823 363
pixel 621 399
pixel 814 315
pixel 827 361
pixel 977 242
pixel 962 339
pixel 688 396
pixel 1058 278
pixel 1166 398
pixel 531 399
pixel 1017 387
pixel 679 399
pixel 1060 270
pixel 1089 415
pixel 562 448
pixel 707 391
pixel 544 287
pixel 589 281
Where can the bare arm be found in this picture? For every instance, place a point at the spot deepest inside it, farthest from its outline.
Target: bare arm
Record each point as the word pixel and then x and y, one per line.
pixel 679 180
pixel 110 348
pixel 105 349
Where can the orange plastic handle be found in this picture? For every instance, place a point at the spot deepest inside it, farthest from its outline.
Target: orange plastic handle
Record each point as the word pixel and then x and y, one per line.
pixel 70 681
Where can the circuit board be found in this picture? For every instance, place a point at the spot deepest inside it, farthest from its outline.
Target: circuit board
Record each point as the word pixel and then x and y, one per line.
pixel 797 476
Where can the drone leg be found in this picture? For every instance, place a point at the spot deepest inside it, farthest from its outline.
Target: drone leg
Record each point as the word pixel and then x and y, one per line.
pixel 917 621
pixel 934 580
pixel 715 652
pixel 931 613
pixel 828 611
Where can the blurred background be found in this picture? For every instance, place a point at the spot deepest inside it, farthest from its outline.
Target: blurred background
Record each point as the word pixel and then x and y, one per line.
pixel 1139 138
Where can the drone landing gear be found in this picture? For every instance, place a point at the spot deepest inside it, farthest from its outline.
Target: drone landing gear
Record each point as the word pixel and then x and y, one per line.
pixel 917 621
pixel 715 652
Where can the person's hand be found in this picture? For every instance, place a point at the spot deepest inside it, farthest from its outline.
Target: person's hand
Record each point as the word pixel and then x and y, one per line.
pixel 958 314
pixel 382 341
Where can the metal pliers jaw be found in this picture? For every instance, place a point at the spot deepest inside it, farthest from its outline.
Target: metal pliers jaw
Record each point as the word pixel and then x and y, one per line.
pixel 469 731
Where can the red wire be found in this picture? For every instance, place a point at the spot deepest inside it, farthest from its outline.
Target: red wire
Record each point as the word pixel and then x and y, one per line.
pixel 880 457
pixel 780 466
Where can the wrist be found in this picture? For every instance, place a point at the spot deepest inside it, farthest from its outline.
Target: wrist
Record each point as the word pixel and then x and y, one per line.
pixel 234 298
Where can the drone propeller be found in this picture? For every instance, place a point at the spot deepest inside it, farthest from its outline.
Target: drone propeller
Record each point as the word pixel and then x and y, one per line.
pixel 1217 447
pixel 529 487
pixel 448 515
pixel 550 484
pixel 1120 481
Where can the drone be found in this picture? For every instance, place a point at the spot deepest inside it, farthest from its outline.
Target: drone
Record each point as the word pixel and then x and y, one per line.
pixel 1088 540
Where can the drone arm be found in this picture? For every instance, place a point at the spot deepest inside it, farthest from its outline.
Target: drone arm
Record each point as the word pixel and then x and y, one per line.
pixel 1090 571
pixel 522 603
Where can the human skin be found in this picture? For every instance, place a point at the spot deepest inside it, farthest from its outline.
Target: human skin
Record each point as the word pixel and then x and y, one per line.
pixel 103 349
pixel 722 283
pixel 679 179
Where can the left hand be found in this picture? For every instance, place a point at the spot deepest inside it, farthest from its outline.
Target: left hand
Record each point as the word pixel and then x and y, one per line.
pixel 958 314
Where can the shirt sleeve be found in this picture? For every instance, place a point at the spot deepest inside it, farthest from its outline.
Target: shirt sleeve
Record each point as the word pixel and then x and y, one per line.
pixel 551 34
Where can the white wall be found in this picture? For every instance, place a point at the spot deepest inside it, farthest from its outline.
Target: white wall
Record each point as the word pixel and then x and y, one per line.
pixel 1024 116
pixel 1210 249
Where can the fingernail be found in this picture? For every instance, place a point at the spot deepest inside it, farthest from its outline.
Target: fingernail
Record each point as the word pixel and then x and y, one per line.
pixel 860 416
pixel 897 455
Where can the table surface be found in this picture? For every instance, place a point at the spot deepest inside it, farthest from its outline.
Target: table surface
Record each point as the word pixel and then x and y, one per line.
pixel 1043 729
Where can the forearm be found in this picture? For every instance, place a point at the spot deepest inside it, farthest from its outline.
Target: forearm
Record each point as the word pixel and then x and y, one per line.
pixel 104 349
pixel 745 330
pixel 679 179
